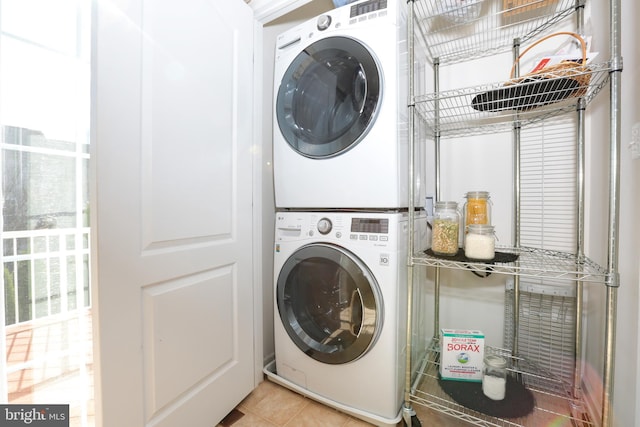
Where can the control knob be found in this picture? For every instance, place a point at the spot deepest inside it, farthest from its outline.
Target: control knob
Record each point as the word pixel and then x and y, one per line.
pixel 323 22
pixel 325 226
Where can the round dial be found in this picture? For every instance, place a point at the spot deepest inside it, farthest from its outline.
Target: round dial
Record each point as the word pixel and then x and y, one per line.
pixel 323 22
pixel 324 226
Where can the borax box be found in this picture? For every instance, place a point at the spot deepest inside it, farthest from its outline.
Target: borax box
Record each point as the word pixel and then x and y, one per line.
pixel 461 354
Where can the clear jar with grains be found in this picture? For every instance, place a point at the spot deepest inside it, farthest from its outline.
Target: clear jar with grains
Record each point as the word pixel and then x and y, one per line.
pixel 446 228
pixel 494 377
pixel 480 242
pixel 477 208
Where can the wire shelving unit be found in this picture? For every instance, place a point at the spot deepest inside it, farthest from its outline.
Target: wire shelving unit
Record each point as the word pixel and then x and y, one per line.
pixel 453 32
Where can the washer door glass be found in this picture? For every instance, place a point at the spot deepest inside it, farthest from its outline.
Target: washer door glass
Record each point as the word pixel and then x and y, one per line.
pixel 329 303
pixel 328 97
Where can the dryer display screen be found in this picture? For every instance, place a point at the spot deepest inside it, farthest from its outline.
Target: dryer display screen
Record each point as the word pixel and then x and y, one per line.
pixel 368 6
pixel 369 225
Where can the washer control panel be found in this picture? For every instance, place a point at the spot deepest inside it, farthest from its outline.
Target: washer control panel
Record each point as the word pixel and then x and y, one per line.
pixel 372 229
pixel 355 228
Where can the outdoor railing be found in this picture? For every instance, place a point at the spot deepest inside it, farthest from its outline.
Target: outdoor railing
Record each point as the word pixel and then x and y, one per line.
pixel 46 273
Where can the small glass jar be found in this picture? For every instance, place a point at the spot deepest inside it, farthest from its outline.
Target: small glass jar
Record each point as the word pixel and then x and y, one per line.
pixel 480 242
pixel 494 377
pixel 446 228
pixel 477 208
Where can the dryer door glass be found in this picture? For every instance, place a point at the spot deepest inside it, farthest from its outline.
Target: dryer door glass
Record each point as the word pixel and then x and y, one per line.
pixel 329 97
pixel 329 303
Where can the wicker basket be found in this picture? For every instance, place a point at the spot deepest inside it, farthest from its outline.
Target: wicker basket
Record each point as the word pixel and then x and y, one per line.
pixel 541 87
pixel 566 69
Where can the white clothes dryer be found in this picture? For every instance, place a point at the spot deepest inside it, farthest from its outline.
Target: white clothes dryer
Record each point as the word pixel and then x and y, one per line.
pixel 340 308
pixel 340 110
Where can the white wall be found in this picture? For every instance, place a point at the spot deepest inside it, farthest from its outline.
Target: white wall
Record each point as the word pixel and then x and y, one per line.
pixel 626 391
pixel 627 366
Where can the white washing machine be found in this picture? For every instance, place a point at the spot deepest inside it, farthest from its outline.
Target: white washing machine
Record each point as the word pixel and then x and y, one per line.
pixel 340 110
pixel 340 309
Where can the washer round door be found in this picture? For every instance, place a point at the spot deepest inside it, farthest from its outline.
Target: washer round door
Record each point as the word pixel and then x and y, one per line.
pixel 329 303
pixel 329 97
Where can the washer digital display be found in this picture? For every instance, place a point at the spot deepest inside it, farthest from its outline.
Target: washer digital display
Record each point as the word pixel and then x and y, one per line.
pixel 369 225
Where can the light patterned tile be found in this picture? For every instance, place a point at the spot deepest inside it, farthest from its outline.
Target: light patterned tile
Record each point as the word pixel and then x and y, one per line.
pixel 251 420
pixel 259 393
pixel 317 415
pixel 432 418
pixel 276 404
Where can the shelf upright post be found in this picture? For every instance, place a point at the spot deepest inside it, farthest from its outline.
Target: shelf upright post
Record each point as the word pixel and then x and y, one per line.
pixel 580 229
pixel 517 126
pixel 436 137
pixel 613 281
pixel 436 127
pixel 407 410
pixel 516 203
pixel 580 256
pixel 580 16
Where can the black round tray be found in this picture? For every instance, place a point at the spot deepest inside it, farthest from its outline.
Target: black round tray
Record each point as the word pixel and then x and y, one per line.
pixel 500 257
pixel 518 401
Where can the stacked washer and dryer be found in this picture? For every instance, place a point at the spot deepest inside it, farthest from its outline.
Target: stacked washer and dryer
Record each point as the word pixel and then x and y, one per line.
pixel 341 178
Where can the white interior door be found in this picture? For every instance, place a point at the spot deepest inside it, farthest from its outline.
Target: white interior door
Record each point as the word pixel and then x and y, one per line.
pixel 172 211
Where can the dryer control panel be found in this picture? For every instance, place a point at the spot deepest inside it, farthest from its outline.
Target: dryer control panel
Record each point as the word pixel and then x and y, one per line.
pixel 368 15
pixel 360 11
pixel 362 8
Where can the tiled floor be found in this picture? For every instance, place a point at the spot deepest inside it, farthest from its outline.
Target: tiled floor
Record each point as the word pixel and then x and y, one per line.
pixel 271 405
pixel 50 360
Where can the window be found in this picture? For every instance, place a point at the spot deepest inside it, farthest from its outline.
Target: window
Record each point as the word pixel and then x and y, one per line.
pixel 44 123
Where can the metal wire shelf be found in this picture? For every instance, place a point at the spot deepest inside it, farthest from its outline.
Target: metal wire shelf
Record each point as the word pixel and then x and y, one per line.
pixel 531 262
pixel 455 31
pixel 494 107
pixel 553 402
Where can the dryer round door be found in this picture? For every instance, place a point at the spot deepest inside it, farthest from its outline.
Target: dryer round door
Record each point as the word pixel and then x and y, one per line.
pixel 329 97
pixel 329 303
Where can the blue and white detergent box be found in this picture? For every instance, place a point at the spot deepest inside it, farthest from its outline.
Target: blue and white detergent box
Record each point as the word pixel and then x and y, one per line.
pixel 461 354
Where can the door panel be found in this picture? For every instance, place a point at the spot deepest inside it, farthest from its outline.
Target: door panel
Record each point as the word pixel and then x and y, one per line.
pixel 182 93
pixel 173 210
pixel 189 304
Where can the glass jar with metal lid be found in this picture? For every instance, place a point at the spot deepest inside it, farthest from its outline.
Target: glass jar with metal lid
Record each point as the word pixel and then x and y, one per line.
pixel 446 226
pixel 480 242
pixel 477 208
